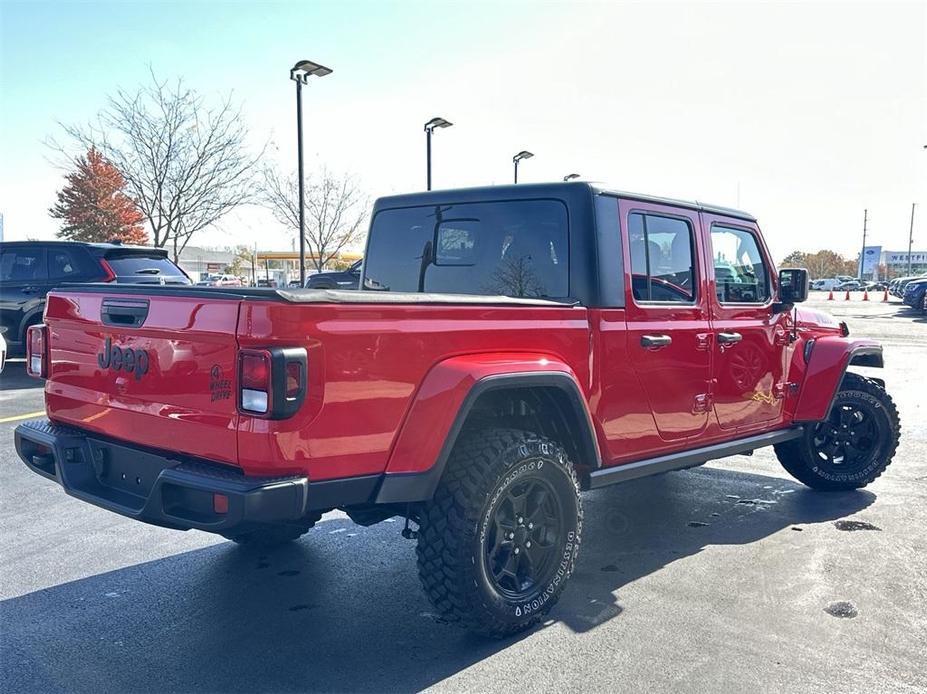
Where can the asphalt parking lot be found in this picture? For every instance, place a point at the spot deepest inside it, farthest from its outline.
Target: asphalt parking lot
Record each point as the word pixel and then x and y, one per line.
pixel 717 579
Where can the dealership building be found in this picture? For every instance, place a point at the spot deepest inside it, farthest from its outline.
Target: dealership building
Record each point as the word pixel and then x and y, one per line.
pixel 896 262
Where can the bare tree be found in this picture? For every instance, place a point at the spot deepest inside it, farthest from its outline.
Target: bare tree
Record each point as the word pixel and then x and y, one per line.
pixel 335 210
pixel 185 163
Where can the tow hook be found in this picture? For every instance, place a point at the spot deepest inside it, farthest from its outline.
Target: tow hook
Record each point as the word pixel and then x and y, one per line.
pixel 407 532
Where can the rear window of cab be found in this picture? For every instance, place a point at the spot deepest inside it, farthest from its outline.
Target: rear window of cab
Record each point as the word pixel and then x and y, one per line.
pixel 516 248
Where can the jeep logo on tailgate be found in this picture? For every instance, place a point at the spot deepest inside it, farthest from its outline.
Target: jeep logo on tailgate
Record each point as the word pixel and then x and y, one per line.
pixel 123 359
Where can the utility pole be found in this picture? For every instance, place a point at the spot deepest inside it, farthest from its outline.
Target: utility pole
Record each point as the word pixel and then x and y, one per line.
pixel 862 254
pixel 254 266
pixel 911 237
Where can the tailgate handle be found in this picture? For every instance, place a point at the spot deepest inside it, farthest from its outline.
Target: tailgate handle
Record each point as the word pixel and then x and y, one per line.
pixel 124 313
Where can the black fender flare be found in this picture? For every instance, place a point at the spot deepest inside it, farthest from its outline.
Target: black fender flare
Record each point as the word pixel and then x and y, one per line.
pixel 420 486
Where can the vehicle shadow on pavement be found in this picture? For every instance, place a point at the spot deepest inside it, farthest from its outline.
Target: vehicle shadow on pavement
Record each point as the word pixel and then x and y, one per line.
pixel 342 609
pixel 912 314
pixel 14 377
pixel 637 528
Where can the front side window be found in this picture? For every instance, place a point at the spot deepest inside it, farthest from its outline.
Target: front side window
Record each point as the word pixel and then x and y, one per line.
pixel 662 259
pixel 741 275
pixel 22 264
pixel 517 248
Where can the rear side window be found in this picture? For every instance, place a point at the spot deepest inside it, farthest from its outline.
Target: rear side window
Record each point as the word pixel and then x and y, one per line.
pixel 515 249
pixel 741 276
pixel 140 264
pixel 662 259
pixel 71 264
pixel 22 264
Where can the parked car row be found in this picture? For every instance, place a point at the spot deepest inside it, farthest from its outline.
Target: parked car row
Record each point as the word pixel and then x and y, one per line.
pixel 839 284
pixel 915 294
pixel 830 283
pixel 220 281
pixel 898 285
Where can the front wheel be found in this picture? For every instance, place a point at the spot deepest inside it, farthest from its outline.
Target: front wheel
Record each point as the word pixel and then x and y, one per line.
pixel 499 540
pixel 850 448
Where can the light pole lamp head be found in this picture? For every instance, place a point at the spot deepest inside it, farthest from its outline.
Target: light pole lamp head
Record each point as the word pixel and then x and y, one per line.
pixel 524 154
pixel 306 68
pixel 437 122
pixel 570 177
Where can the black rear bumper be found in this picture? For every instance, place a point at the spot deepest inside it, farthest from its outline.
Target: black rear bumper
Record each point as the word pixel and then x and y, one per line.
pixel 157 488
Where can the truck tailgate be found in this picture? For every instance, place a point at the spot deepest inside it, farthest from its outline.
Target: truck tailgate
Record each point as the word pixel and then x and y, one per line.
pixel 157 371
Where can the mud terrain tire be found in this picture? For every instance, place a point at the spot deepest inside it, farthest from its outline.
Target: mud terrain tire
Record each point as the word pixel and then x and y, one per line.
pixel 499 540
pixel 853 446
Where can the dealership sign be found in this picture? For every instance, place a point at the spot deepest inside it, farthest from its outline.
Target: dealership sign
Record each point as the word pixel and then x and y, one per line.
pixel 871 255
pixel 901 257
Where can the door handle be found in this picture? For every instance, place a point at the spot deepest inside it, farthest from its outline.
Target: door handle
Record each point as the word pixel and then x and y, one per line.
pixel 31 290
pixel 729 338
pixel 656 341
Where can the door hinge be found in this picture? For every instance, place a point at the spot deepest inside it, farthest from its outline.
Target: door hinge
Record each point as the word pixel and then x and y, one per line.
pixel 783 390
pixel 702 402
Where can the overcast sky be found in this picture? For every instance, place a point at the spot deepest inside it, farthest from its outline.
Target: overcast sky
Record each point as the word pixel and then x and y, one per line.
pixel 804 114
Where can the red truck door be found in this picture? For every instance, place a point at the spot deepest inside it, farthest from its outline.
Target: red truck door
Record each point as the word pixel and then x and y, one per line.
pixel 749 339
pixel 669 340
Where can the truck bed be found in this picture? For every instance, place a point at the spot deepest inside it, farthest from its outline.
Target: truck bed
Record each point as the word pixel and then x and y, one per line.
pixel 368 353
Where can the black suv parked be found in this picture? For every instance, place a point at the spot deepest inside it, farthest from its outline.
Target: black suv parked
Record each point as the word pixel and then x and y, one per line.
pixel 348 279
pixel 30 269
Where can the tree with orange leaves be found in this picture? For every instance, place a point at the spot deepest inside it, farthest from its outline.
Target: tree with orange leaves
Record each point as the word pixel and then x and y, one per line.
pixel 94 207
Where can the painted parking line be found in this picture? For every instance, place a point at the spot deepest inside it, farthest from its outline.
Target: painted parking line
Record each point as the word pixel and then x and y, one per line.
pixel 20 417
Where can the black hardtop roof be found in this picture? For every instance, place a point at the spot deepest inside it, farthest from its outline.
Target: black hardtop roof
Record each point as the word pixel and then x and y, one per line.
pixel 567 189
pixel 99 246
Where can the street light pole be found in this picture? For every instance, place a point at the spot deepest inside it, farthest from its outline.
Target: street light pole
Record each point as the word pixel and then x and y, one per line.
pixel 911 237
pixel 300 74
pixel 429 128
pixel 862 253
pixel 302 183
pixel 428 157
pixel 524 154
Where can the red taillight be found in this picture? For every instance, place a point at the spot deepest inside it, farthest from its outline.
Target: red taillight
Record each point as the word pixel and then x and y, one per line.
pixel 255 382
pixel 108 269
pixel 255 370
pixel 272 382
pixel 37 351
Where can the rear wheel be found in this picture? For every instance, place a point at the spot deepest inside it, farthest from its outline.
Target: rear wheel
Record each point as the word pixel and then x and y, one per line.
pixel 499 540
pixel 275 535
pixel 850 448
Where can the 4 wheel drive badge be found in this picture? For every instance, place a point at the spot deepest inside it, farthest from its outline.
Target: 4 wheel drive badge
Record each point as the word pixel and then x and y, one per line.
pixel 134 361
pixel 219 388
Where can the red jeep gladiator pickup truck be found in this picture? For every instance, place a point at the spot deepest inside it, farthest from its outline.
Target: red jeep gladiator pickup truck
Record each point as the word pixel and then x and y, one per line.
pixel 509 347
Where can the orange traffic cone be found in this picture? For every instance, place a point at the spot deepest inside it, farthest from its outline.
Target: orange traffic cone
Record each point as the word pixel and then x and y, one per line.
pixel 885 297
pixel 847 297
pixel 865 295
pixel 830 295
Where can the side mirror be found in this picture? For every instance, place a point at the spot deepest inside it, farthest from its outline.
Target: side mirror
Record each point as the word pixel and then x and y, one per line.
pixel 793 285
